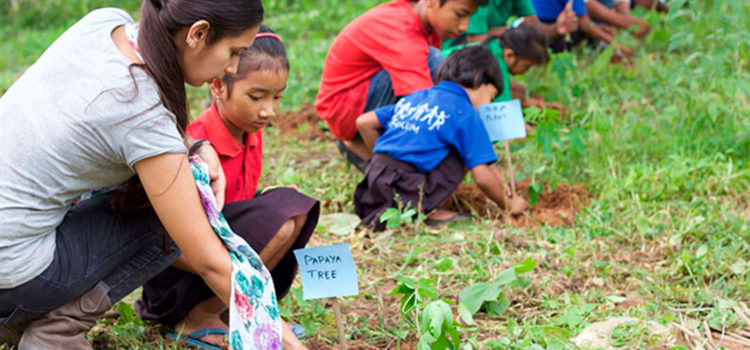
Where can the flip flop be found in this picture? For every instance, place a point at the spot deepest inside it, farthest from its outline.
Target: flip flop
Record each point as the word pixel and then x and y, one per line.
pixel 298 331
pixel 454 218
pixel 193 339
pixel 351 157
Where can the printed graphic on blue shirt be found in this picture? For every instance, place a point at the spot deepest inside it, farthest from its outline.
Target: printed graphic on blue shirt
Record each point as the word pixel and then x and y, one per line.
pixel 424 127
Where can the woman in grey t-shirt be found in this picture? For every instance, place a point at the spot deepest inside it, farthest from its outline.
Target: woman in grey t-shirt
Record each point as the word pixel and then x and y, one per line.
pixel 100 106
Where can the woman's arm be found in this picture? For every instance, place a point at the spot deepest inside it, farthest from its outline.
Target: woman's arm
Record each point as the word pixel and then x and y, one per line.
pixel 170 186
pixel 369 128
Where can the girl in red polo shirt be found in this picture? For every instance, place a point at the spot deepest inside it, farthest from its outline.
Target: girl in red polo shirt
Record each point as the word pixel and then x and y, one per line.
pixel 274 222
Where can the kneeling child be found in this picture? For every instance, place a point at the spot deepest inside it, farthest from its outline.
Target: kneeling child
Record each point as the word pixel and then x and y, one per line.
pixel 429 139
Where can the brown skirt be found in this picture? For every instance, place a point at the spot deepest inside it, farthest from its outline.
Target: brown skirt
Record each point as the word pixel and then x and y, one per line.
pixel 385 177
pixel 169 297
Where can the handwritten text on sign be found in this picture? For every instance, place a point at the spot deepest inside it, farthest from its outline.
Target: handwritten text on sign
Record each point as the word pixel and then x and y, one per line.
pixel 503 120
pixel 327 271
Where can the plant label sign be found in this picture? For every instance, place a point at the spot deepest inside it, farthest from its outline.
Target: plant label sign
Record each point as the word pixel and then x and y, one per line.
pixel 503 120
pixel 327 272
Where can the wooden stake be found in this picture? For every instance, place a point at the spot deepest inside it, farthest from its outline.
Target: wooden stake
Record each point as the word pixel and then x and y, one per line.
pixel 511 173
pixel 339 323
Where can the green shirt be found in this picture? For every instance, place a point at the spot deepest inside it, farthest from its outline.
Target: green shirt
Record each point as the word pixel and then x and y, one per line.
pixel 497 13
pixel 497 51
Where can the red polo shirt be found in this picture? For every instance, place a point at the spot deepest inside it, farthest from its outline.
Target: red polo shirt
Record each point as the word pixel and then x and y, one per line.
pixel 242 164
pixel 391 37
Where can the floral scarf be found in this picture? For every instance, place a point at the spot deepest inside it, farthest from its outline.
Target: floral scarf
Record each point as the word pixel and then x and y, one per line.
pixel 254 321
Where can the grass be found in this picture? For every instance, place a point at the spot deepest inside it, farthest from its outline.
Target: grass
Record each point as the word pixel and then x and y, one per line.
pixel 662 141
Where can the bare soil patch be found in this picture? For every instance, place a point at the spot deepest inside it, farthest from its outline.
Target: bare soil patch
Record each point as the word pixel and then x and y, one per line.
pixel 554 207
pixel 303 123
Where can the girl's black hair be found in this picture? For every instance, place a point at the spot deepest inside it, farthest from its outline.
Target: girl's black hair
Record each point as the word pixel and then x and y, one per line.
pixel 267 52
pixel 471 68
pixel 526 41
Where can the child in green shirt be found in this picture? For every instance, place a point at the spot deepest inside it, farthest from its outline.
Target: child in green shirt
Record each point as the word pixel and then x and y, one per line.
pixel 516 50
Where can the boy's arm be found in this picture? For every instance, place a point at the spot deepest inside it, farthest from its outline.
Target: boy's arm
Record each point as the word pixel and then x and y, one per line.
pixel 593 31
pixel 490 181
pixel 369 128
pixel 602 13
pixel 567 22
pixel 482 37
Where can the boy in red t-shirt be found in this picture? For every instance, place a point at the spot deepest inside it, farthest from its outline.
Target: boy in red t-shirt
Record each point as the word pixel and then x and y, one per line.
pixel 386 53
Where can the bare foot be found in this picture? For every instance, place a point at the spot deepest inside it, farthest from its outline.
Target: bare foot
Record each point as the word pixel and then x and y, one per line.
pixel 204 315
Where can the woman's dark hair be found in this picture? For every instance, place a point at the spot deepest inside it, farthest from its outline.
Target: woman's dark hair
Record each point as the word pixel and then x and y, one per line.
pixel 160 22
pixel 471 68
pixel 526 41
pixel 266 53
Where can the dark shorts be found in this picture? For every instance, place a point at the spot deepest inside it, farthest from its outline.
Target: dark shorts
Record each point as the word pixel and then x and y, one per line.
pixel 94 243
pixel 169 297
pixel 385 177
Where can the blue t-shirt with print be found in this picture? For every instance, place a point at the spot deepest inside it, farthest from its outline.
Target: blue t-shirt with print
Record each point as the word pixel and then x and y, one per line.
pixel 423 128
pixel 548 10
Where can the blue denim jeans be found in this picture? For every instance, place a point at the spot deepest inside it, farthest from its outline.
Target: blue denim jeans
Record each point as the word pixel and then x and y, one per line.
pixel 381 93
pixel 94 243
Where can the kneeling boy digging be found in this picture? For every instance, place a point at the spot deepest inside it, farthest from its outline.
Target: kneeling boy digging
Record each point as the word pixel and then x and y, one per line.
pixel 429 140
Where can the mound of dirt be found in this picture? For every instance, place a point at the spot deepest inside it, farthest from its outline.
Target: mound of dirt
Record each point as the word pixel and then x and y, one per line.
pixel 303 123
pixel 556 207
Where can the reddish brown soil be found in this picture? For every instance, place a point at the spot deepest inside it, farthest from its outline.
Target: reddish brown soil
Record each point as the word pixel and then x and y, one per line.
pixel 303 123
pixel 556 207
pixel 409 344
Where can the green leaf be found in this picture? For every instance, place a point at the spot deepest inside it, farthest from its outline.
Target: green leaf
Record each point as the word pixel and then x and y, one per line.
pixel 445 264
pixel 465 314
pixel 473 296
pixel 534 191
pixel 426 289
pixel 525 266
pixel 496 308
pixel 505 277
pixel 571 317
pixel 434 316
pixel 342 224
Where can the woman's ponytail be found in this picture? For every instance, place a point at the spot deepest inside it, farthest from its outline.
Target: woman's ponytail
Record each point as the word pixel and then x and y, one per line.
pixel 160 57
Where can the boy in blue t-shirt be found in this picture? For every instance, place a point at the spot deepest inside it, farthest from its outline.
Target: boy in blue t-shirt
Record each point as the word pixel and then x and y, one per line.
pixel 429 139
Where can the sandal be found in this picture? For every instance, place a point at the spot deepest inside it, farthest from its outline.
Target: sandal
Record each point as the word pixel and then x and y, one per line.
pixel 351 157
pixel 193 339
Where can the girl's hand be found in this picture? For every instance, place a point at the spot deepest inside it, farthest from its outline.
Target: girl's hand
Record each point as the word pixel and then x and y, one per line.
pixel 215 172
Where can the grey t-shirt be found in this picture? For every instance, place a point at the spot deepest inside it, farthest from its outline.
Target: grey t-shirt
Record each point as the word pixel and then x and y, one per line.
pixel 74 121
